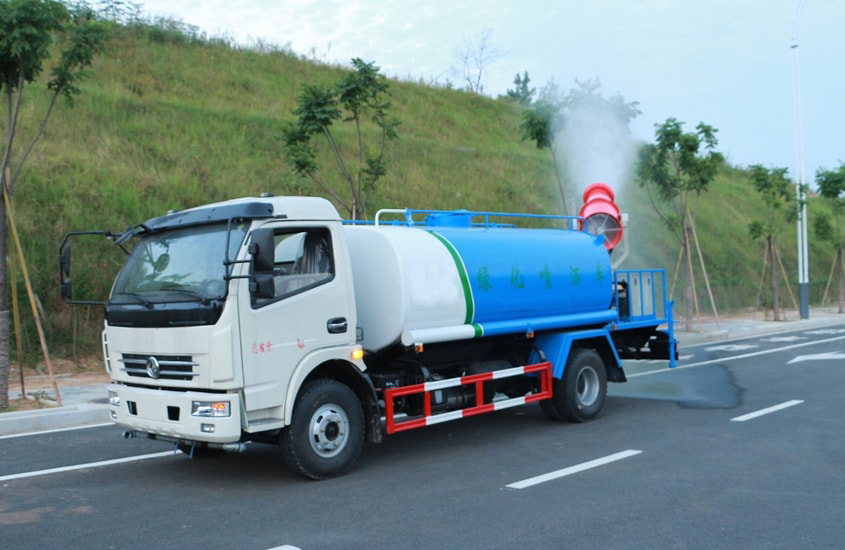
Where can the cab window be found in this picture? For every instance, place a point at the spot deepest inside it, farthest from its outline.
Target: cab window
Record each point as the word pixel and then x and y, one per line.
pixel 302 260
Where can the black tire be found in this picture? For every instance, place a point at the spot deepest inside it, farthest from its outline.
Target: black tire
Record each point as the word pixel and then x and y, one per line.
pixel 326 434
pixel 580 395
pixel 549 408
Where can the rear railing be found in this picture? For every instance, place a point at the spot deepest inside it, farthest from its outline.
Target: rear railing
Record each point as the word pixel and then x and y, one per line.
pixel 641 295
pixel 641 301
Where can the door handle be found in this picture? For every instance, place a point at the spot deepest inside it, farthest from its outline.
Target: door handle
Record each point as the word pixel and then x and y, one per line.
pixel 337 325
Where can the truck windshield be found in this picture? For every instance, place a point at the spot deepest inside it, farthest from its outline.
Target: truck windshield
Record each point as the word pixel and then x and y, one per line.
pixel 178 265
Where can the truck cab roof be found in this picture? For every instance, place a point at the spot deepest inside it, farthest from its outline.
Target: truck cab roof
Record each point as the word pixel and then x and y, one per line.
pixel 248 208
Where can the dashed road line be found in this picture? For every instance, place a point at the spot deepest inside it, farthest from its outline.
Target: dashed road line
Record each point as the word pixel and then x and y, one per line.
pixel 768 410
pixel 530 482
pixel 732 347
pixel 99 464
pixel 56 430
pixel 818 357
pixel 783 339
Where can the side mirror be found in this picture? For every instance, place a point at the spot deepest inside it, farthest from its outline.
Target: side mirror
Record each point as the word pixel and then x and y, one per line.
pixel 65 284
pixel 262 249
pixel 66 290
pixel 65 287
pixel 262 285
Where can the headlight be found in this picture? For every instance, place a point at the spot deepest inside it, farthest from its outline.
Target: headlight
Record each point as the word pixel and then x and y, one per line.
pixel 114 399
pixel 210 408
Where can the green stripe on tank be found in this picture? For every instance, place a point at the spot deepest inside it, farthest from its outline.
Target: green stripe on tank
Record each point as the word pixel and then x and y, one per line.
pixel 479 330
pixel 462 272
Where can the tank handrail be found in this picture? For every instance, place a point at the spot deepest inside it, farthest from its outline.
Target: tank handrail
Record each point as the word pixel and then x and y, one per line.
pixel 408 213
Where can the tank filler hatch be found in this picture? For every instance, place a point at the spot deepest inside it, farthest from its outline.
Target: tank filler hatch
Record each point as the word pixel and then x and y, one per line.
pixel 601 215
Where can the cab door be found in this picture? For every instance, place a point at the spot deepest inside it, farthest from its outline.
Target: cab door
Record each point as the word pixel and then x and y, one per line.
pixel 310 308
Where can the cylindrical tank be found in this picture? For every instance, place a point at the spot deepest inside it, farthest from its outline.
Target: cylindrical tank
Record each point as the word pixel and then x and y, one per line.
pixel 433 284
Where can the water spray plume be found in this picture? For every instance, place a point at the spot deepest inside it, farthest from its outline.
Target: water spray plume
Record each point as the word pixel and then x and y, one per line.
pixel 594 139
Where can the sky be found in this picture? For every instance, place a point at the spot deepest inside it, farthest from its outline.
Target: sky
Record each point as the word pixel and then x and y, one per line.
pixel 727 63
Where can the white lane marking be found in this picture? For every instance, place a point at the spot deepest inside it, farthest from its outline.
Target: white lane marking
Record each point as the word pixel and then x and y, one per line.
pixel 761 412
pixel 783 339
pixel 743 356
pixel 42 432
pixel 818 357
pixel 732 347
pixel 572 469
pixel 774 332
pixel 285 547
pixel 826 331
pixel 49 471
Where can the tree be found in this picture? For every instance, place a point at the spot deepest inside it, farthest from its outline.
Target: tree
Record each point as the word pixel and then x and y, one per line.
pixel 540 125
pixel 27 30
pixel 678 168
pixel 777 194
pixel 587 96
pixel 831 184
pixel 474 58
pixel 521 94
pixel 362 94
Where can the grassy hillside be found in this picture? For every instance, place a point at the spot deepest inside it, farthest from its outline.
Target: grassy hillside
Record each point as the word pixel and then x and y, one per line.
pixel 168 122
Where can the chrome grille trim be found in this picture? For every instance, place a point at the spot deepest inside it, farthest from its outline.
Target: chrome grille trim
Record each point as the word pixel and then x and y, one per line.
pixel 171 367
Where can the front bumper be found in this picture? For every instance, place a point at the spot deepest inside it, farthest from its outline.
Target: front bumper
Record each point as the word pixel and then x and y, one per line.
pixel 168 413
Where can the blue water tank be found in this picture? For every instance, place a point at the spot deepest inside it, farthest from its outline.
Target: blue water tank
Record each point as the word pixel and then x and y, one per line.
pixel 525 273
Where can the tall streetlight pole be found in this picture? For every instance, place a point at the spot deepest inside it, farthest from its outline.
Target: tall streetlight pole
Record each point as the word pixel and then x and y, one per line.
pixel 803 267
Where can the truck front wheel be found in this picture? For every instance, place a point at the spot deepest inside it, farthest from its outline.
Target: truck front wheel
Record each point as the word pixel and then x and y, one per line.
pixel 580 395
pixel 326 434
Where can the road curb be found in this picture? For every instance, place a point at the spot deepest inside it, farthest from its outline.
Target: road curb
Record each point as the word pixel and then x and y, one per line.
pixel 735 330
pixel 48 419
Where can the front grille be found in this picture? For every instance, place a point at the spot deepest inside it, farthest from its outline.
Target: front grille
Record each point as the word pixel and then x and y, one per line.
pixel 159 367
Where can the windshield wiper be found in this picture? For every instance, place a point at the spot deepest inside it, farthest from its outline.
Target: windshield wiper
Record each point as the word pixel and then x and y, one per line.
pixel 205 300
pixel 138 297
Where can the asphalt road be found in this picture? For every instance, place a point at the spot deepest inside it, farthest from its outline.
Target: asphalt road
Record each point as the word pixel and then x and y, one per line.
pixel 740 447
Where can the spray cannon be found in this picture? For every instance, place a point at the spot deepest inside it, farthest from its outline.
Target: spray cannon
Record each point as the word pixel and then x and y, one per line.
pixel 601 215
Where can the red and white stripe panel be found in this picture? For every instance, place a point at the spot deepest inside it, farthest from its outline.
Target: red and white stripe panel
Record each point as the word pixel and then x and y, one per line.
pixel 544 370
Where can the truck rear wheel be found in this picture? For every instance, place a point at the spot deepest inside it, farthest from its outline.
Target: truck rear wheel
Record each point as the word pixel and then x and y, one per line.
pixel 580 395
pixel 326 434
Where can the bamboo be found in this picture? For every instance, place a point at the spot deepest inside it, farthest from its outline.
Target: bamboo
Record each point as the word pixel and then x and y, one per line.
pixel 677 270
pixel 689 288
pixel 762 281
pixel 16 317
pixel 778 313
pixel 841 276
pixel 829 280
pixel 31 294
pixel 786 281
pixel 704 272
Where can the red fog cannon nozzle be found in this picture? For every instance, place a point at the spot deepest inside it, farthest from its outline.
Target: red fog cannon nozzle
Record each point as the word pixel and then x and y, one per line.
pixel 601 215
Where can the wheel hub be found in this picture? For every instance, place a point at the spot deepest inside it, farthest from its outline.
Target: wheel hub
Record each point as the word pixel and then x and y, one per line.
pixel 588 386
pixel 329 430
